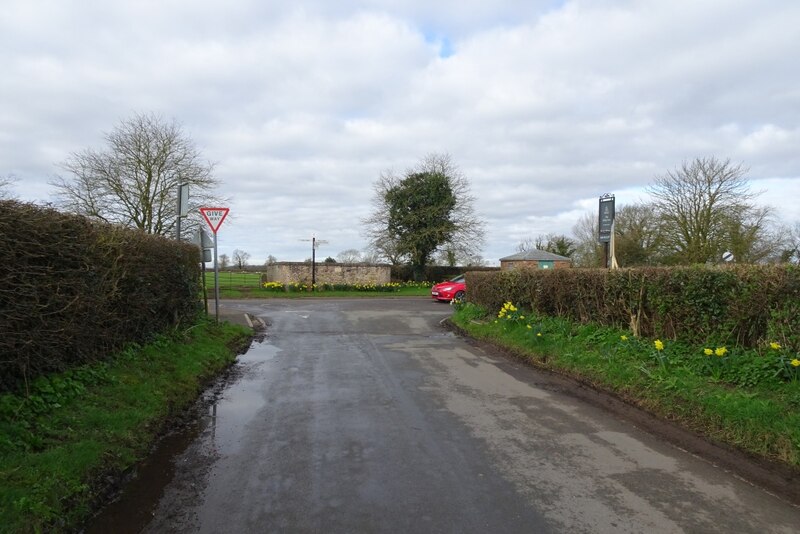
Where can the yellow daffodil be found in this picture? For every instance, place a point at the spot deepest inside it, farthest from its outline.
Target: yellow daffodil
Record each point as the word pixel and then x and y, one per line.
pixel 775 346
pixel 658 344
pixel 538 334
pixel 795 362
pixel 720 351
pixel 529 327
pixel 624 338
pixel 708 352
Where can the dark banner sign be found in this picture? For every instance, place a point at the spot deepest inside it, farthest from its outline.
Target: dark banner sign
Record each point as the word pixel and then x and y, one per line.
pixel 606 218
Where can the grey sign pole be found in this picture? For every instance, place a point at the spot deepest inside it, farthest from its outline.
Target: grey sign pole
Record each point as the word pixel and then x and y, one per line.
pixel 183 208
pixel 216 281
pixel 214 218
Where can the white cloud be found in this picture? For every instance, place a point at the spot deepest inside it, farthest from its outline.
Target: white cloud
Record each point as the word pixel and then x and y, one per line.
pixel 544 105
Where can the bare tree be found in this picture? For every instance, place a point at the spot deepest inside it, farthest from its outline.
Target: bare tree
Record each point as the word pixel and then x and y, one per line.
pixel 350 255
pixel 134 180
pixel 790 250
pixel 271 260
pixel 697 204
pixel 370 256
pixel 588 252
pixel 376 228
pixel 751 237
pixel 224 261
pixel 637 232
pixel 555 243
pixel 240 258
pixel 5 186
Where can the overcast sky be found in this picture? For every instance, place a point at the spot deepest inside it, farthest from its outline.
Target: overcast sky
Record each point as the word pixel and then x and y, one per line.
pixel 543 104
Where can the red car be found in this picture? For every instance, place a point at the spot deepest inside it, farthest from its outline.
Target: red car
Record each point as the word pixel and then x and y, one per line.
pixel 454 289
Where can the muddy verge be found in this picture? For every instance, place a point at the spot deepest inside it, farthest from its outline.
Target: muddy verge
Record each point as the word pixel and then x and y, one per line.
pixel 777 478
pixel 157 468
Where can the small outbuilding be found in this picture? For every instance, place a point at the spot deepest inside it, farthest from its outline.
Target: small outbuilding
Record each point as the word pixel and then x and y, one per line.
pixel 534 259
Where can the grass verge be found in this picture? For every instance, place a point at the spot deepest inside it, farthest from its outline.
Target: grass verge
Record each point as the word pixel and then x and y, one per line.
pixel 749 400
pixel 60 444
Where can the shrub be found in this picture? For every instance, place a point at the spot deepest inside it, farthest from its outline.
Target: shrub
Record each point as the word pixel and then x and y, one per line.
pixel 738 306
pixel 75 291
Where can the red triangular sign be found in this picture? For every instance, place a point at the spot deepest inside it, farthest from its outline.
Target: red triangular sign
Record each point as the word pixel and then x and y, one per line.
pixel 214 217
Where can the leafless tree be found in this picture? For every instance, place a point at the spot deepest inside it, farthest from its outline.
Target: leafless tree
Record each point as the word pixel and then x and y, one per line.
pixel 790 250
pixel 370 256
pixel 350 255
pixel 637 231
pixel 134 180
pixel 588 252
pixel 271 260
pixel 555 243
pixel 699 204
pixel 5 186
pixel 240 258
pixel 224 261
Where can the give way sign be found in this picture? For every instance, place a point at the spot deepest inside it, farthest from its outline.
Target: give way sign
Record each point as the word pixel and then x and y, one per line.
pixel 214 217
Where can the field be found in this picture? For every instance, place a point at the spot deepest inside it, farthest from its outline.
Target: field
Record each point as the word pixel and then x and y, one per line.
pixel 234 279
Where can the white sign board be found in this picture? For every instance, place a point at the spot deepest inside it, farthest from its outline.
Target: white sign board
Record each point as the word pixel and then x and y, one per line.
pixel 214 217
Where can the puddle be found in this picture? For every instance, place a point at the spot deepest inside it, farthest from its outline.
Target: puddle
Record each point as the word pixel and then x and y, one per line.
pixel 214 428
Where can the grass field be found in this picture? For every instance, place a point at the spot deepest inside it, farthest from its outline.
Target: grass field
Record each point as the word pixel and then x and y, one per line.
pixel 231 279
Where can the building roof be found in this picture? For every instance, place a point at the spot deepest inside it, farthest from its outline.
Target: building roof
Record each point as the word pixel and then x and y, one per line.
pixel 535 255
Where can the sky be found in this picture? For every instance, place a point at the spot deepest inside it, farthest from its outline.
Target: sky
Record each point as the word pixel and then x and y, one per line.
pixel 544 105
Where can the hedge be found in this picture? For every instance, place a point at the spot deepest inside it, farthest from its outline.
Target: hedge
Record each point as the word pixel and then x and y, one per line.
pixel 75 290
pixel 433 273
pixel 735 305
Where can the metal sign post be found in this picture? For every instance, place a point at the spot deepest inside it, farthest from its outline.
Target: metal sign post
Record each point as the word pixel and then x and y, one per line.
pixel 214 218
pixel 183 207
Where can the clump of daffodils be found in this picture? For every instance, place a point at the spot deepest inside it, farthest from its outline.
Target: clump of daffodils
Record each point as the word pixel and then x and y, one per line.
pixel 507 311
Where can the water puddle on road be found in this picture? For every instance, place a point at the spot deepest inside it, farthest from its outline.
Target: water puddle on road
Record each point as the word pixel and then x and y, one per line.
pixel 213 427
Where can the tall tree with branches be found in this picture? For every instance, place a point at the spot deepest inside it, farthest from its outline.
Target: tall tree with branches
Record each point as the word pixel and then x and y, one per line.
pixel 134 179
pixel 429 208
pixel 696 204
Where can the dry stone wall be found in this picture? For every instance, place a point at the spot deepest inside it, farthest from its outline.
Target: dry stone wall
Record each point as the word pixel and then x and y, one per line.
pixel 329 273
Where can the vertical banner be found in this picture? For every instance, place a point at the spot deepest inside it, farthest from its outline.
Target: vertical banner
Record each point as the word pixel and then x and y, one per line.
pixel 605 225
pixel 605 218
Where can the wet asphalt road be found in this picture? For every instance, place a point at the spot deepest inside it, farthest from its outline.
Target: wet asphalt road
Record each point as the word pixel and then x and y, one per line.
pixel 367 416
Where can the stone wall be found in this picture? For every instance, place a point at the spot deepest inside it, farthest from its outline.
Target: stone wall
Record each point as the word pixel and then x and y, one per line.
pixel 286 272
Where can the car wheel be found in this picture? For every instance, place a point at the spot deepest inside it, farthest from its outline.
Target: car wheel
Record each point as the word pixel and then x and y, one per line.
pixel 459 297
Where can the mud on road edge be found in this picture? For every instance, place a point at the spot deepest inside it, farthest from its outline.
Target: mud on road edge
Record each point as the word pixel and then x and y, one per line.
pixel 174 432
pixel 776 478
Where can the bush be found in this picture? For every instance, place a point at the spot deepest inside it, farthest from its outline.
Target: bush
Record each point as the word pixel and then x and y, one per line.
pixel 743 306
pixel 434 273
pixel 75 291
